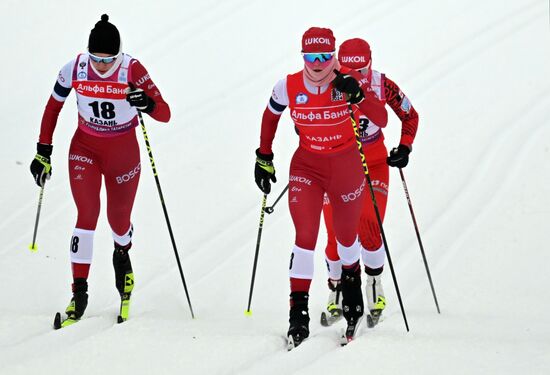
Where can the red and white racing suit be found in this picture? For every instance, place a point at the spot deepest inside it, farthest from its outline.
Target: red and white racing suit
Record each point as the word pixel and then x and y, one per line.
pixel 326 161
pixel 104 144
pixel 373 253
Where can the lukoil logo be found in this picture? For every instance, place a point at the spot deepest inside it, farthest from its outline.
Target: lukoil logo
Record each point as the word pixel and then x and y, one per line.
pixel 80 158
pixel 300 179
pixel 353 59
pixel 310 41
pixel 142 80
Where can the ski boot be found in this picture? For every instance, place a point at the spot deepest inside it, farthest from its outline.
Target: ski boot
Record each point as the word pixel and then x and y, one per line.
pixel 124 279
pixel 352 301
pixel 376 302
pixel 334 304
pixel 76 307
pixel 298 330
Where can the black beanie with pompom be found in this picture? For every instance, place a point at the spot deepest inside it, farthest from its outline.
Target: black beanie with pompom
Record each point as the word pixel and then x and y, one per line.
pixel 104 37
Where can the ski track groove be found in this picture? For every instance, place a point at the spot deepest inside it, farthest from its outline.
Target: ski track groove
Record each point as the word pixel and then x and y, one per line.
pixel 182 29
pixel 426 72
pixel 31 204
pixel 85 330
pixel 151 45
pixel 476 41
pixel 510 164
pixel 47 216
pixel 312 348
pixel 516 128
pixel 441 262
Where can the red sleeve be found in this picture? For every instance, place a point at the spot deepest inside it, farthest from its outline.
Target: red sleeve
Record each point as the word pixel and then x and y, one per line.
pixel 49 120
pixel 403 108
pixel 371 106
pixel 374 109
pixel 140 78
pixel 269 126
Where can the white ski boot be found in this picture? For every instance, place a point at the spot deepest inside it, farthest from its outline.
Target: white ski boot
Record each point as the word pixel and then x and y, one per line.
pixel 376 302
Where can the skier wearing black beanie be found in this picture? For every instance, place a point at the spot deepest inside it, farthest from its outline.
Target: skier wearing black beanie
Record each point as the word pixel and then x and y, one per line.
pixel 104 37
pixel 111 87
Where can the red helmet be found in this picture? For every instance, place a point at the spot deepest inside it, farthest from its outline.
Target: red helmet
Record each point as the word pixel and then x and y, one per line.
pixel 355 54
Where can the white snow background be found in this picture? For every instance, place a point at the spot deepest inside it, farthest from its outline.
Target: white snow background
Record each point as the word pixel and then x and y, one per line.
pixel 478 73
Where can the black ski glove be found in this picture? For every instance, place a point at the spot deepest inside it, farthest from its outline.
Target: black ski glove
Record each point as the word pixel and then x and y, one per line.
pixel 139 99
pixel 399 156
pixel 349 85
pixel 264 171
pixel 41 167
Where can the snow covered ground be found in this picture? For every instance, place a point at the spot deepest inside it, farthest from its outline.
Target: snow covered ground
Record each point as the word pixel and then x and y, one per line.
pixel 478 73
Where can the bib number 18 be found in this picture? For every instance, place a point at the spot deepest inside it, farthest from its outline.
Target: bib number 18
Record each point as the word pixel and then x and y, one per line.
pixel 104 110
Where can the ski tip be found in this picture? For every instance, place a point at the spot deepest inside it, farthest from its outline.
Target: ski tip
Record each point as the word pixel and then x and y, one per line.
pixel 33 247
pixel 120 319
pixel 248 313
pixel 324 320
pixel 328 320
pixel 345 340
pixel 290 343
pixel 57 321
pixel 373 320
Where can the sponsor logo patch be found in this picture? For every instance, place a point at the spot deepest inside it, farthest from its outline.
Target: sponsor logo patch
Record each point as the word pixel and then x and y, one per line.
pixel 353 59
pixel 142 80
pixel 300 179
pixel 405 105
pixel 349 197
pixel 128 176
pixel 309 41
pixel 336 95
pixel 301 98
pixel 80 158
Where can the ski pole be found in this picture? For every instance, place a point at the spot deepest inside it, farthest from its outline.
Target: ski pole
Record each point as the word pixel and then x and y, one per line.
pixel 367 175
pixel 418 237
pixel 248 312
pixel 270 209
pixel 33 246
pixel 150 152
